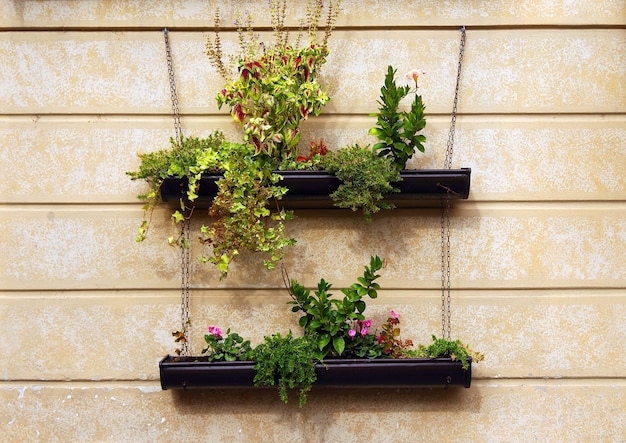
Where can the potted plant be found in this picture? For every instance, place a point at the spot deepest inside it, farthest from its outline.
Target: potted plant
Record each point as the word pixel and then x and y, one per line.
pixel 251 187
pixel 275 88
pixel 339 346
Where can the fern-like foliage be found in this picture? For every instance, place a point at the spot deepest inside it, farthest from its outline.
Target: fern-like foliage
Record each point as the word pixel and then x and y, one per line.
pixel 287 362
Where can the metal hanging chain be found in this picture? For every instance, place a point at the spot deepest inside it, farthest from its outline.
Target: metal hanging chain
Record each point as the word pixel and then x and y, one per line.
pixel 446 313
pixel 185 245
pixel 185 260
pixel 173 91
pixel 449 148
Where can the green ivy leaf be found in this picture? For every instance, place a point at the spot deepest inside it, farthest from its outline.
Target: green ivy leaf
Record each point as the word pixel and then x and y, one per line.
pixel 178 217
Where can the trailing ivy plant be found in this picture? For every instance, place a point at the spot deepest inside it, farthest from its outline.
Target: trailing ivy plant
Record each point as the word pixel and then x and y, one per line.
pixel 398 131
pixel 179 160
pixel 242 212
pixel 274 90
pixel 287 362
pixel 365 178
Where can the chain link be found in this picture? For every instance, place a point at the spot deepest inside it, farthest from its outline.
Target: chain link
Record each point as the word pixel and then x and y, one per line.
pixel 450 145
pixel 185 274
pixel 174 93
pixel 446 313
pixel 446 299
pixel 185 245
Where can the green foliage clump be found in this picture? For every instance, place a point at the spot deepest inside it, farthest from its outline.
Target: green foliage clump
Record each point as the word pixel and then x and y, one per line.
pixel 231 347
pixel 276 88
pixel 241 215
pixel 179 160
pixel 398 131
pixel 332 328
pixel 456 350
pixel 327 321
pixel 287 362
pixel 365 178
pixel 242 218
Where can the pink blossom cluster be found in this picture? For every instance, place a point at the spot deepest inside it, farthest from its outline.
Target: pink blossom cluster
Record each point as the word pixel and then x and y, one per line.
pixel 215 331
pixel 363 326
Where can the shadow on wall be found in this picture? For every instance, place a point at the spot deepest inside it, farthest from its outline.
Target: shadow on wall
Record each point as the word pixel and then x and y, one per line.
pixel 330 415
pixel 324 403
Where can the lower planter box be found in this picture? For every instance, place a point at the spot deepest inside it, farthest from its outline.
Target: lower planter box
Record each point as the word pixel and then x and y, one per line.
pixel 312 189
pixel 197 373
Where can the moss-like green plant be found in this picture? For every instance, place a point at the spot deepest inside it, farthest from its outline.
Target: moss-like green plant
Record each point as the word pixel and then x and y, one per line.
pixel 366 178
pixel 440 347
pixel 287 362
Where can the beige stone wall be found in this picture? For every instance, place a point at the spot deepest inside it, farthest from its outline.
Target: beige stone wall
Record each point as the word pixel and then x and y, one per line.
pixel 539 281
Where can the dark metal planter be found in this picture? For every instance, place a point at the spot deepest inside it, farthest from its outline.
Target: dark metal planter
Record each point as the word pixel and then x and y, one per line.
pixel 197 373
pixel 312 189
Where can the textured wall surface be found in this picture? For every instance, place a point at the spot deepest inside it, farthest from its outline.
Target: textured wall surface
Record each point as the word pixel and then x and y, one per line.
pixel 538 274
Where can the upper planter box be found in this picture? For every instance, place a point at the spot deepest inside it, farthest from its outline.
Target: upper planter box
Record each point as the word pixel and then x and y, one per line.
pixel 198 373
pixel 312 189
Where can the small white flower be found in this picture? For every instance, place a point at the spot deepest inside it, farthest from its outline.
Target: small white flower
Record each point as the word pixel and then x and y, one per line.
pixel 413 75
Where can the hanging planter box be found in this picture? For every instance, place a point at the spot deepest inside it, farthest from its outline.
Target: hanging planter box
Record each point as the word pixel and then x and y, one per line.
pixel 312 189
pixel 197 373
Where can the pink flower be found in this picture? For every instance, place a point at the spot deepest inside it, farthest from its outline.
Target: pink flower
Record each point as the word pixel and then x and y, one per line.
pixel 394 315
pixel 367 323
pixel 352 333
pixel 215 331
pixel 364 332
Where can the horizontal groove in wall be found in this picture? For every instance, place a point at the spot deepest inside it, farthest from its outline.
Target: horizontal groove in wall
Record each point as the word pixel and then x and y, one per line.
pixel 146 386
pixel 469 23
pixel 167 295
pixel 566 206
pixel 563 382
pixel 434 286
pixel 199 117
